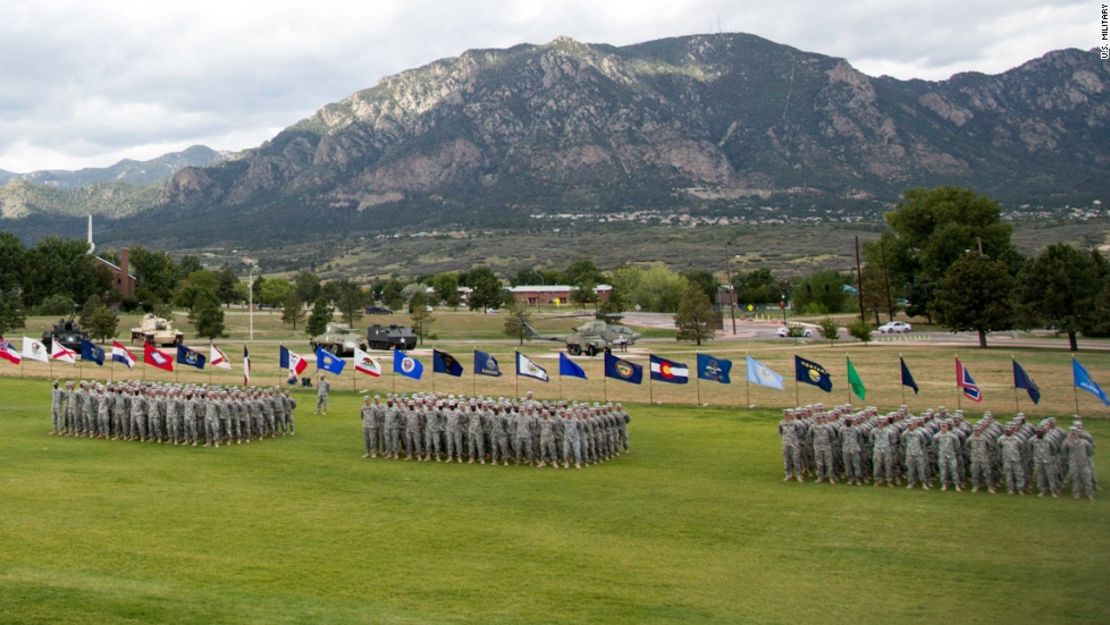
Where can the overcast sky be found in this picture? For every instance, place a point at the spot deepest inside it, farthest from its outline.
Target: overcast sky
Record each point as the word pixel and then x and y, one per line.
pixel 84 83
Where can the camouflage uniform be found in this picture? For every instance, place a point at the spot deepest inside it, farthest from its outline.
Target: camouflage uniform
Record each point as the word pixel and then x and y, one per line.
pixel 1013 467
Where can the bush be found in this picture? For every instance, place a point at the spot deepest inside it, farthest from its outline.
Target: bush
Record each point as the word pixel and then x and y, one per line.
pixel 815 308
pixel 829 329
pixel 861 330
pixel 57 304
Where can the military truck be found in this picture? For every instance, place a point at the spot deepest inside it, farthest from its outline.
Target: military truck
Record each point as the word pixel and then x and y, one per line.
pixel 393 336
pixel 339 339
pixel 67 332
pixel 156 330
pixel 590 338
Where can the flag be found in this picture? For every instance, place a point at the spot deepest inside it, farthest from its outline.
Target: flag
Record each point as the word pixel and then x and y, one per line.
pixel 92 352
pixel 528 368
pixel 35 350
pixel 486 364
pixel 855 381
pixel 623 370
pixel 9 352
pixel 246 366
pixel 715 369
pixel 1022 380
pixel 122 355
pixel 407 366
pixel 327 361
pixel 293 362
pixel 670 371
pixel 62 353
pixel 1083 380
pixel 570 368
pixel 965 382
pixel 157 358
pixel 810 372
pixel 761 374
pixel 365 363
pixel 907 377
pixel 190 357
pixel 217 358
pixel 442 362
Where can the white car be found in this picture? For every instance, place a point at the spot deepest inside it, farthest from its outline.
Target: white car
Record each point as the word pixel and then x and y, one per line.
pixel 784 331
pixel 895 327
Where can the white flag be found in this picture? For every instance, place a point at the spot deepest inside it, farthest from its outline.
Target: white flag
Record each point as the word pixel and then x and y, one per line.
pixel 365 363
pixel 35 350
pixel 217 358
pixel 62 353
pixel 526 367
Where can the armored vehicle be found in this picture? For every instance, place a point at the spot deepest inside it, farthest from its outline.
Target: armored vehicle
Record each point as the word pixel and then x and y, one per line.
pixel 67 332
pixel 590 338
pixel 156 330
pixel 391 337
pixel 339 339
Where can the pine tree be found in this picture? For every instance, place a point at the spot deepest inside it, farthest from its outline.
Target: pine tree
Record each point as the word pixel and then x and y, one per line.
pixel 208 317
pixel 320 318
pixel 696 320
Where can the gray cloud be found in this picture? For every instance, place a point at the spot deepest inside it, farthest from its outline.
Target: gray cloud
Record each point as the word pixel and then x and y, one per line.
pixel 87 83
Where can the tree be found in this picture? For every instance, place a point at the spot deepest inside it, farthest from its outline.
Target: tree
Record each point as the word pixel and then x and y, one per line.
pixel 696 320
pixel 12 255
pixel 391 294
pixel 878 285
pixel 516 320
pixel 196 287
pixel 11 310
pixel 581 270
pixel 349 299
pixel 226 291
pixel 875 300
pixel 292 310
pixel 584 293
pixel 974 294
pixel 830 331
pixel 861 330
pixel 307 286
pixel 207 316
pixel 526 277
pixel 62 267
pixel 410 292
pixel 57 304
pixel 704 279
pixel 274 292
pixel 155 274
pixel 487 289
pixel 821 292
pixel 99 321
pixel 187 265
pixel 320 318
pixel 614 304
pixel 758 287
pixel 422 318
pixel 1059 289
pixel 446 287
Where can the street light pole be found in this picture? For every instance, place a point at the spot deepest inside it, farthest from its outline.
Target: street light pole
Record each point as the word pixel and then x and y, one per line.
pixel 250 301
pixel 731 288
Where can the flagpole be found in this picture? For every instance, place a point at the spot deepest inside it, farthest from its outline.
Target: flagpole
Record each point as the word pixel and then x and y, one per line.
pixel 560 382
pixel 797 402
pixel 747 382
pixel 902 386
pixel 959 400
pixel 697 385
pixel 651 396
pixel 848 387
pixel 605 388
pixel 1017 404
pixel 1075 392
pixel 394 373
pixel 516 376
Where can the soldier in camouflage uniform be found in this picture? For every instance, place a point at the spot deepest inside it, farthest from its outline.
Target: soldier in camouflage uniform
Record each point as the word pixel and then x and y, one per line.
pixel 1013 464
pixel 1079 452
pixel 981 453
pixel 791 447
pixel 1045 464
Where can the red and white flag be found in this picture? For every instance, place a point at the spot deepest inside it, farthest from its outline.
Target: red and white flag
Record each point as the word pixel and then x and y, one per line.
pixel 217 358
pixel 157 358
pixel 62 353
pixel 365 363
pixel 9 352
pixel 246 366
pixel 122 355
pixel 34 350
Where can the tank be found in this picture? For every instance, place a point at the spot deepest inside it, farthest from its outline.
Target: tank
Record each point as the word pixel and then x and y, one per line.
pixel 339 339
pixel 156 330
pixel 67 332
pixel 396 337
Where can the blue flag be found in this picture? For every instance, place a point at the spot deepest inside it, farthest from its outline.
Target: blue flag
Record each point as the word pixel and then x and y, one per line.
pixel 810 372
pixel 442 362
pixel 715 369
pixel 327 361
pixel 907 377
pixel 670 371
pixel 486 364
pixel 570 368
pixel 92 352
pixel 190 357
pixel 761 374
pixel 407 366
pixel 623 370
pixel 1022 380
pixel 1083 380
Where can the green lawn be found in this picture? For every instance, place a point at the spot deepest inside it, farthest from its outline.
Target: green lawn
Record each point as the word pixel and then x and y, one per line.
pixel 695 526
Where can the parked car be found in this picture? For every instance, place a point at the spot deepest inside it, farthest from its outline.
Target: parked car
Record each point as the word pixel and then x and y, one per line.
pixel 802 331
pixel 378 310
pixel 895 327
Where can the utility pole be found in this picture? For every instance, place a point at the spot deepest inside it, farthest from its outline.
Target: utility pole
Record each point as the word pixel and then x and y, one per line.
pixel 250 301
pixel 859 284
pixel 886 282
pixel 731 288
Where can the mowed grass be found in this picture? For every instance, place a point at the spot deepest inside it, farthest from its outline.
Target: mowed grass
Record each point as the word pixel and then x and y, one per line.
pixel 694 526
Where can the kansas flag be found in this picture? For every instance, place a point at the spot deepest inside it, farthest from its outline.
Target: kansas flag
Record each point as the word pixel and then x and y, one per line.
pixel 715 369
pixel 486 364
pixel 327 361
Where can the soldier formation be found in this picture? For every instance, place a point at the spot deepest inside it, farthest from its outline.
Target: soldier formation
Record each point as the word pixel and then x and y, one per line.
pixel 862 446
pixel 482 429
pixel 170 413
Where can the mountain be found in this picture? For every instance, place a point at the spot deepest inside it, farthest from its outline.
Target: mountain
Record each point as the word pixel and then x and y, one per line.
pixel 126 171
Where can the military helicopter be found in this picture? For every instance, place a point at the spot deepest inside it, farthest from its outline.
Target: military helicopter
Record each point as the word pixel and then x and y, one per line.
pixel 590 338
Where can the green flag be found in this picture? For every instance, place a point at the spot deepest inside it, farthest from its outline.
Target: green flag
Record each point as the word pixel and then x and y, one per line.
pixel 855 382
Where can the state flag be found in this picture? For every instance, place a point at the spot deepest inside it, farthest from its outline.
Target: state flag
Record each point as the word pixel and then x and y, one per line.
pixel 91 352
pixel 486 364
pixel 190 357
pixel 407 366
pixel 966 383
pixel 528 368
pixel 9 352
pixel 1083 380
pixel 442 362
pixel 62 353
pixel 855 381
pixel 621 369
pixel 810 372
pixel 293 363
pixel 157 358
pixel 1022 380
pixel 327 361
pixel 670 371
pixel 34 350
pixel 246 366
pixel 714 369
pixel 569 368
pixel 907 377
pixel 122 355
pixel 365 363
pixel 761 374
pixel 217 358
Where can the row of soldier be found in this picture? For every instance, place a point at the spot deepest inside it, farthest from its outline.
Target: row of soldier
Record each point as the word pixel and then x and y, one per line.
pixel 856 446
pixel 170 413
pixel 477 429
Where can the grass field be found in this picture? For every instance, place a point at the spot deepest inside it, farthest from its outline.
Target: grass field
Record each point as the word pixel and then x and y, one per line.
pixel 694 526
